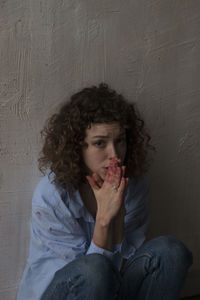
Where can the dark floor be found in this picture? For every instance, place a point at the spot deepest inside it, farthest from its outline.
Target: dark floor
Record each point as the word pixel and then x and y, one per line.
pixel 192 298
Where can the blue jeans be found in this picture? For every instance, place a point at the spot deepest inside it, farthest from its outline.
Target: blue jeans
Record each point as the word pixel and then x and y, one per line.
pixel 156 271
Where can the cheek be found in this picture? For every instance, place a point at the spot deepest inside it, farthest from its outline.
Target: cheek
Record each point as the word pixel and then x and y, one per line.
pixel 97 156
pixel 92 157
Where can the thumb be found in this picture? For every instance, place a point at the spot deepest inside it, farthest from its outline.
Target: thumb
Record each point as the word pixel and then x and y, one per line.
pixel 122 186
pixel 92 183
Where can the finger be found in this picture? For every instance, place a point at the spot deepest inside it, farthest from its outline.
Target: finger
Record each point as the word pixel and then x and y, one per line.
pixel 119 162
pixel 108 177
pixel 123 175
pixel 118 176
pixel 92 183
pixel 113 175
pixel 123 170
pixel 127 180
pixel 115 161
pixel 112 167
pixel 122 186
pixel 97 179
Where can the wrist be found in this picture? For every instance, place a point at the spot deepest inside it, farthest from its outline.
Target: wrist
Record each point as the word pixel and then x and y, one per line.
pixel 103 233
pixel 103 221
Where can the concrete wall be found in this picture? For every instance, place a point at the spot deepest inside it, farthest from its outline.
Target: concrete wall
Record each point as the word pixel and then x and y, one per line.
pixel 148 50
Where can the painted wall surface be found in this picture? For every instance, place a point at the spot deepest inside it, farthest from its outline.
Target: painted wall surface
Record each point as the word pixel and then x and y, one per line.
pixel 149 51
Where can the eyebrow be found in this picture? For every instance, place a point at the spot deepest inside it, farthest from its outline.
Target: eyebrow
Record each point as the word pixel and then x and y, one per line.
pixel 106 136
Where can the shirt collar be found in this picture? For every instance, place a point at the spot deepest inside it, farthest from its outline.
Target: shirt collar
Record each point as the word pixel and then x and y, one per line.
pixel 75 203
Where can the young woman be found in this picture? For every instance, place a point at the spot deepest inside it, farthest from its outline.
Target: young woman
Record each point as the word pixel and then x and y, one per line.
pixel 90 210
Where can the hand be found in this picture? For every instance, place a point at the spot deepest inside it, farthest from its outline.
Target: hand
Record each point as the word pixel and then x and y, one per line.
pixel 110 193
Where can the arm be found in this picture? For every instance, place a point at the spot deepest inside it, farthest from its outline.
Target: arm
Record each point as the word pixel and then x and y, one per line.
pixel 110 206
pixel 60 235
pixel 54 229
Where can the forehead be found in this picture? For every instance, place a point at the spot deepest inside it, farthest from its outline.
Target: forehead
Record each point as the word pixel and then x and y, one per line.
pixel 105 129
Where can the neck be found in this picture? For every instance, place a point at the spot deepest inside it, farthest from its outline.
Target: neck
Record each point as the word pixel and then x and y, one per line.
pixel 88 198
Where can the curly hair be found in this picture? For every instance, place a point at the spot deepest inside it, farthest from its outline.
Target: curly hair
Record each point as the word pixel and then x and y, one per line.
pixel 64 134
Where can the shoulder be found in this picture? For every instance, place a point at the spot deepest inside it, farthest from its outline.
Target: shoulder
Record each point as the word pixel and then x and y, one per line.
pixel 47 193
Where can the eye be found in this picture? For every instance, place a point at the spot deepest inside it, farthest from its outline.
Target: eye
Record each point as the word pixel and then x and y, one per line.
pixel 99 144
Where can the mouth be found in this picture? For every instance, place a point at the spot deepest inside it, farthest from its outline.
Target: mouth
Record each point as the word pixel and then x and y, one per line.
pixel 105 170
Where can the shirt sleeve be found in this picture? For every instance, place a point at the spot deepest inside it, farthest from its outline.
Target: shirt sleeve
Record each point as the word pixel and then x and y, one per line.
pixel 55 232
pixel 63 238
pixel 137 217
pixel 95 249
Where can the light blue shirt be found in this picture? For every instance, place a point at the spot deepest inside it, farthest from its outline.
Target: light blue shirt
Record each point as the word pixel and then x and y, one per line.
pixel 62 230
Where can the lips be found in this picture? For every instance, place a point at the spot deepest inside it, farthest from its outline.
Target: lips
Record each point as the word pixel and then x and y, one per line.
pixel 105 169
pixel 114 162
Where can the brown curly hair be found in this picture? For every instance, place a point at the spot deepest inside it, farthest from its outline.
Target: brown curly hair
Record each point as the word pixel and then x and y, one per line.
pixel 65 132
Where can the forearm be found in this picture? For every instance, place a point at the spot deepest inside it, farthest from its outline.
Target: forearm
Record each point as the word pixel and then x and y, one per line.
pixel 109 196
pixel 107 233
pixel 103 233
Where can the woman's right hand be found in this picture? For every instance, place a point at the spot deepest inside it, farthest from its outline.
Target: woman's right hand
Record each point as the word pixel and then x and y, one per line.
pixel 109 195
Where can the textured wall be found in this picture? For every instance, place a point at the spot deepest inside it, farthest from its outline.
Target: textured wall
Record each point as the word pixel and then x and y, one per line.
pixel 148 50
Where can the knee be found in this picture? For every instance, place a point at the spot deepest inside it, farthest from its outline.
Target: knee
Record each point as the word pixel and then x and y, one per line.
pixel 97 269
pixel 171 246
pixel 94 272
pixel 97 266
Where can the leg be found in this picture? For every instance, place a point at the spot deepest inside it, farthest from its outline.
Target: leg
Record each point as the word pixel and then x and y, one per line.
pixel 157 270
pixel 89 277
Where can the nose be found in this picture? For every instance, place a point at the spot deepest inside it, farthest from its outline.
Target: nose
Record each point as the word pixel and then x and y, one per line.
pixel 112 152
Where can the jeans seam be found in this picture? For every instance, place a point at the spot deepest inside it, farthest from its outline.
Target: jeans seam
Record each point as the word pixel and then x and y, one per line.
pixel 150 285
pixel 146 254
pixel 53 291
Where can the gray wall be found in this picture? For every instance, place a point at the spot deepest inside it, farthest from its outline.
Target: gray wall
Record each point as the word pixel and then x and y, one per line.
pixel 148 50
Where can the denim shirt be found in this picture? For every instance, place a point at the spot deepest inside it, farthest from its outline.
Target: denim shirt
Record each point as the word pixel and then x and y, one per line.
pixel 62 230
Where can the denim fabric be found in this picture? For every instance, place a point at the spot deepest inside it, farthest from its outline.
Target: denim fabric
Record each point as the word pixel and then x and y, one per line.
pixel 156 271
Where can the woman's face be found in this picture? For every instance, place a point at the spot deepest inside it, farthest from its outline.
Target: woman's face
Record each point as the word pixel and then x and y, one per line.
pixel 103 143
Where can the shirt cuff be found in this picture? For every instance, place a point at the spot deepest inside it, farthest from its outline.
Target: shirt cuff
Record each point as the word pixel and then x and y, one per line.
pixel 126 250
pixel 95 249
